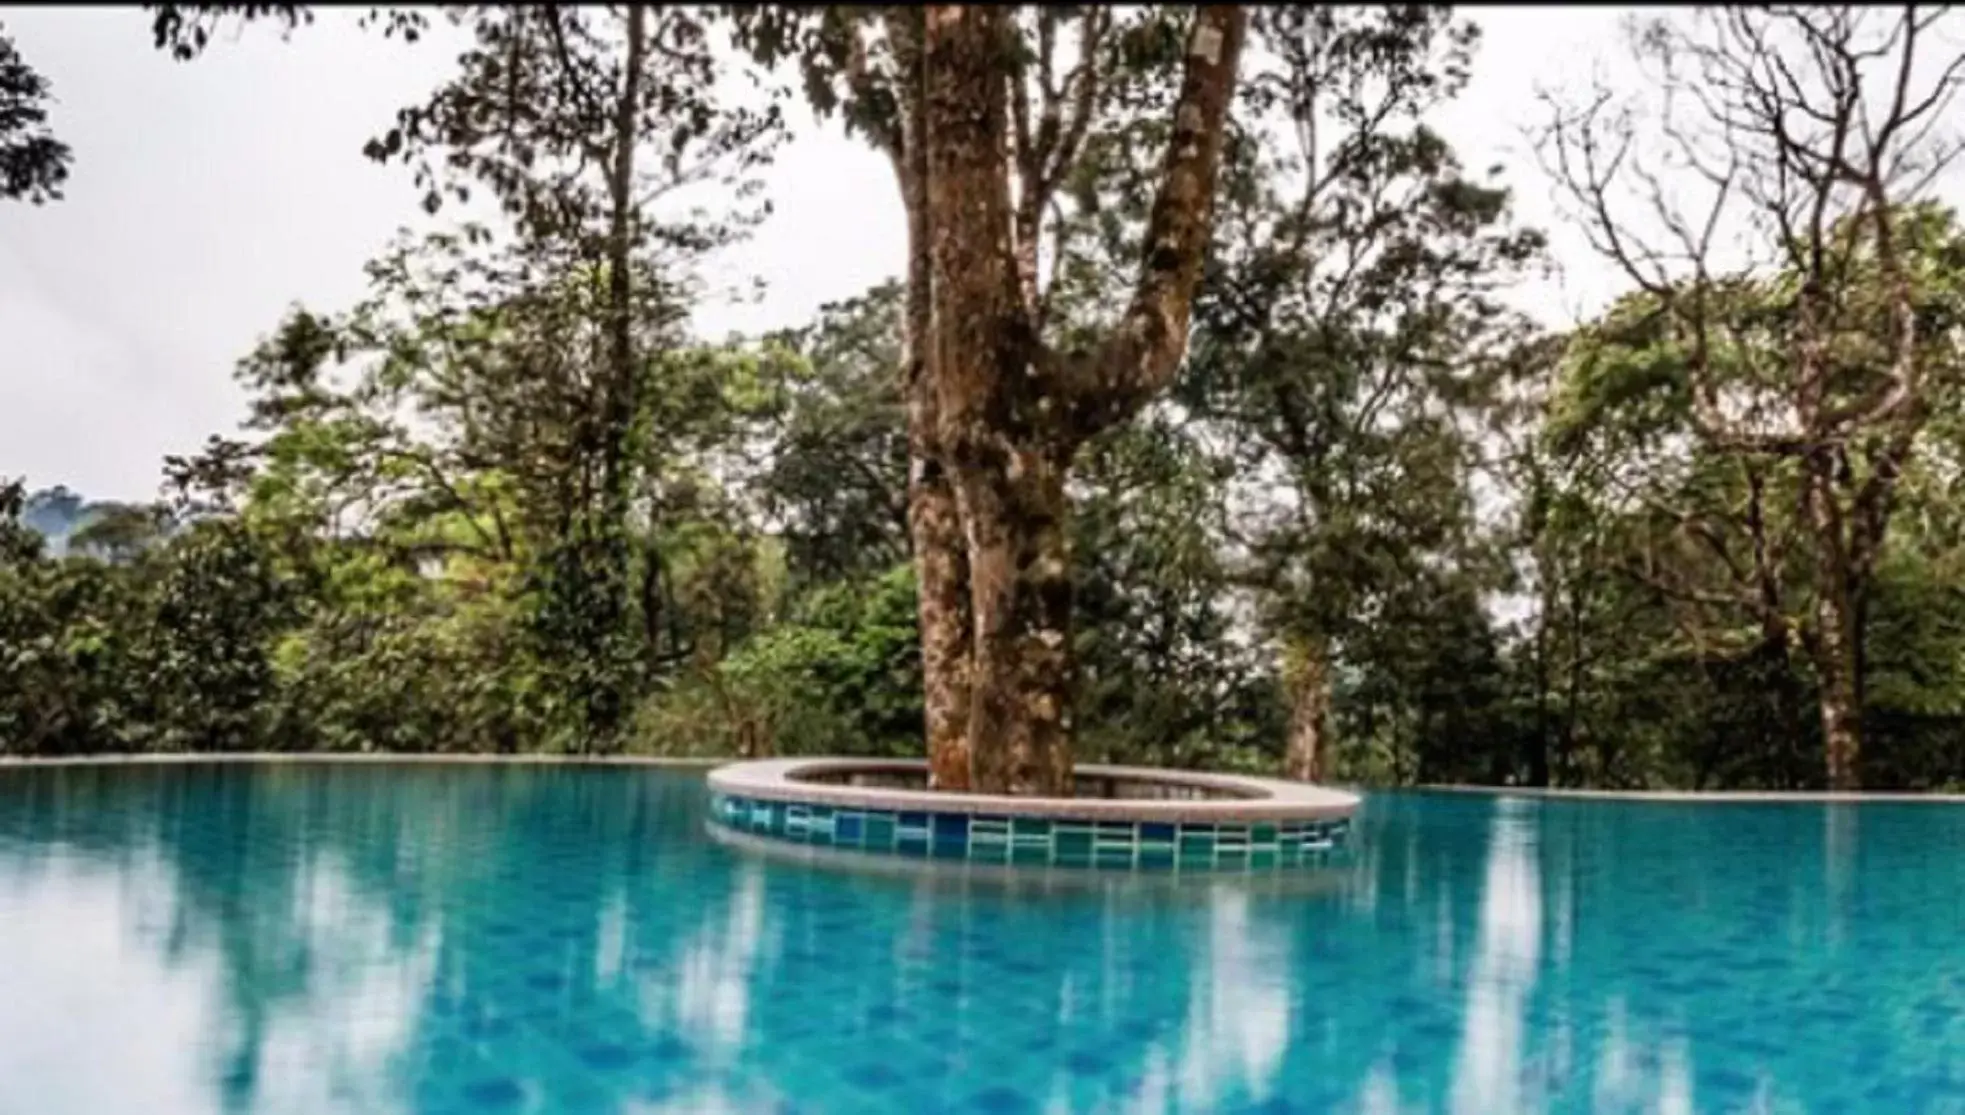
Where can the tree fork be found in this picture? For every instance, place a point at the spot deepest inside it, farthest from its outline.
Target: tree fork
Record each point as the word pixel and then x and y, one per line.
pixel 1011 414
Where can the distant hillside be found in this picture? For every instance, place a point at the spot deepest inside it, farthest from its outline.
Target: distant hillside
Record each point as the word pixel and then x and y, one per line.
pixel 57 513
pixel 107 529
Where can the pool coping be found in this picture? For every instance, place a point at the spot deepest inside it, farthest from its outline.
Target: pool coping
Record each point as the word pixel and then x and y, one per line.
pixel 1264 800
pixel 1696 797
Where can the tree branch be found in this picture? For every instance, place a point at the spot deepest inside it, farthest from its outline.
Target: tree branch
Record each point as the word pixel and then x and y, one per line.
pixel 1139 357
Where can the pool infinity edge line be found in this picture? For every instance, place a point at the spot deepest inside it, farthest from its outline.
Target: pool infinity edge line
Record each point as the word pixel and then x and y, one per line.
pixel 1163 819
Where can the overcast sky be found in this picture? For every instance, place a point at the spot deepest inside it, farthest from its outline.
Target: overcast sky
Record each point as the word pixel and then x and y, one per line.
pixel 207 197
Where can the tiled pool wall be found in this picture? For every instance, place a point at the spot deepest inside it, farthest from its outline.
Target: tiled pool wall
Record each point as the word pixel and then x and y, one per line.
pixel 1118 845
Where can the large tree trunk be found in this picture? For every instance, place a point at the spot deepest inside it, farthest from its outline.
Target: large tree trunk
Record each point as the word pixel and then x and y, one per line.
pixel 1834 643
pixel 1836 667
pixel 940 550
pixel 941 567
pixel 1008 483
pixel 1020 582
pixel 620 389
pixel 1307 675
pixel 1010 414
pixel 1784 699
pixel 604 538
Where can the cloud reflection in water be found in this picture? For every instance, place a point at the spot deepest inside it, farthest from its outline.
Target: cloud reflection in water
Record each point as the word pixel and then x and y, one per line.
pixel 479 940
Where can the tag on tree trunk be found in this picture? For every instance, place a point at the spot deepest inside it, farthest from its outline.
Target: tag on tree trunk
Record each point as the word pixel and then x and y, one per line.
pixel 1207 42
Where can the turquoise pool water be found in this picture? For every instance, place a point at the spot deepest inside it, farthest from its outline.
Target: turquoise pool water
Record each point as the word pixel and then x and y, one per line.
pixel 473 940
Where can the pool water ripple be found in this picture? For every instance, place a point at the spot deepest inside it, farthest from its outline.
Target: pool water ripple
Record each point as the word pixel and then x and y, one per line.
pixel 417 939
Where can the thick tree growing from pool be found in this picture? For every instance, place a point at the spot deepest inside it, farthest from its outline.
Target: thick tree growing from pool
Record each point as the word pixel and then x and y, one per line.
pixel 986 122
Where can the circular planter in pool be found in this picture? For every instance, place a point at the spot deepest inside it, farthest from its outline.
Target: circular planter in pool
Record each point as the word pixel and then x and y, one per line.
pixel 1124 818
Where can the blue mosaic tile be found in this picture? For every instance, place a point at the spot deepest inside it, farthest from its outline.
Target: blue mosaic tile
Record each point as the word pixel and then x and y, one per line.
pixel 1112 845
pixel 498 1094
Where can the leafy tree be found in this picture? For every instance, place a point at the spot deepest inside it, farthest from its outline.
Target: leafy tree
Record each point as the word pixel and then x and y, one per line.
pixel 1727 535
pixel 1166 675
pixel 33 163
pixel 118 532
pixel 837 475
pixel 588 128
pixel 1812 130
pixel 842 676
pixel 580 123
pixel 201 668
pixel 962 101
pixel 1345 340
pixel 58 643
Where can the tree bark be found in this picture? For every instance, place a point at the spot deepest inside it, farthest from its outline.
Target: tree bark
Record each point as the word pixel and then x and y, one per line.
pixel 1020 583
pixel 1539 749
pixel 1784 699
pixel 940 551
pixel 941 566
pixel 606 704
pixel 1307 673
pixel 1836 668
pixel 619 402
pixel 1833 645
pixel 941 556
pixel 1842 726
pixel 1008 484
pixel 1010 413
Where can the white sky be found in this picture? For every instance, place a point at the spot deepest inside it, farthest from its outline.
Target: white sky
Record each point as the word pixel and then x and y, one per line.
pixel 207 197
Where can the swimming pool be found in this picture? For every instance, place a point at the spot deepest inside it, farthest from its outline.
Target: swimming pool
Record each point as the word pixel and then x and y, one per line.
pixel 460 940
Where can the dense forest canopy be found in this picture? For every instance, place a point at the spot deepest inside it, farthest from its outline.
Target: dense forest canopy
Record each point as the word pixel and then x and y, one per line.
pixel 1199 427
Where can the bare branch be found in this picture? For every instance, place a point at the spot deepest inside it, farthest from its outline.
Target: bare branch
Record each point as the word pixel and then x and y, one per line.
pixel 1081 89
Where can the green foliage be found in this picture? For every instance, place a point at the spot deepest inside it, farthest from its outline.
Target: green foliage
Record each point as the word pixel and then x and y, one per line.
pixel 508 502
pixel 1711 572
pixel 841 676
pixel 64 662
pixel 204 674
pixel 166 652
pixel 33 163
pixel 837 479
pixel 1161 678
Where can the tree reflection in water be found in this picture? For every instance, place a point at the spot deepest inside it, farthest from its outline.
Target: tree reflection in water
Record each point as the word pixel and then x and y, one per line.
pixel 414 939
